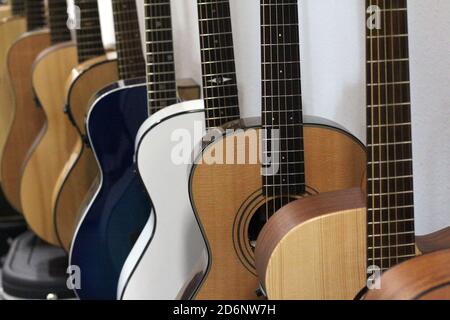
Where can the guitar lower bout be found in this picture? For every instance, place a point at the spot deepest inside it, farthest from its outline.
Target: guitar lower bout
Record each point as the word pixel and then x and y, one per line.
pixel 231 209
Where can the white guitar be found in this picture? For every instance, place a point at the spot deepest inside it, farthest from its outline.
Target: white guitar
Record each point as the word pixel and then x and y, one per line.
pixel 170 257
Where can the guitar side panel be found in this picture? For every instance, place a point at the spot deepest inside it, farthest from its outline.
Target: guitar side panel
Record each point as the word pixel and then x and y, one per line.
pixel 10 30
pixel 120 208
pixel 29 120
pixel 174 251
pixel 80 169
pixel 48 157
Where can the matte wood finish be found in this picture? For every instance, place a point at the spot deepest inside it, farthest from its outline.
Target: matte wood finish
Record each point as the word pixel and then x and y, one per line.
pixel 227 196
pixel 47 159
pixel 118 211
pixel 29 120
pixel 423 278
pixel 10 29
pixel 436 241
pixel 80 170
pixel 298 249
pixel 5 11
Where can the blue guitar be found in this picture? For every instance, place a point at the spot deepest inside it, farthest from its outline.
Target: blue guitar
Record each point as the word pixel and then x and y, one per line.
pixel 120 208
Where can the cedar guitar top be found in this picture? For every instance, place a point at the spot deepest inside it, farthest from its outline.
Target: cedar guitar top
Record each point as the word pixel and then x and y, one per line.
pixel 390 203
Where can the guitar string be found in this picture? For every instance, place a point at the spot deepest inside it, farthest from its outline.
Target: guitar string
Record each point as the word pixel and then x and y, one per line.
pixel 372 129
pixel 396 203
pixel 384 143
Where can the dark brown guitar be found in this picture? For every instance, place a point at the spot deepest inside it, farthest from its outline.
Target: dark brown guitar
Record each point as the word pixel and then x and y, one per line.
pixel 423 278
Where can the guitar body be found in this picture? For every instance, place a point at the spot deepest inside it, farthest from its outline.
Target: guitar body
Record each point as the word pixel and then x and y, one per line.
pixel 48 157
pixel 315 248
pixel 29 120
pixel 80 169
pixel 10 30
pixel 423 278
pixel 120 208
pixel 227 198
pixel 171 243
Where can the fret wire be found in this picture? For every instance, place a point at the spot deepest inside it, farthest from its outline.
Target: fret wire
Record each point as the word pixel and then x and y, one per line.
pixel 89 37
pixel 18 7
pixel 58 21
pixel 35 13
pixel 160 64
pixel 390 184
pixel 218 68
pixel 281 96
pixel 131 63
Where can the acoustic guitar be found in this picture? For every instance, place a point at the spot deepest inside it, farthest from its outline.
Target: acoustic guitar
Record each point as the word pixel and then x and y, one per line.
pixel 332 246
pixel 47 158
pixel 423 278
pixel 171 242
pixel 29 119
pixel 233 199
pixel 114 217
pixel 80 170
pixel 10 29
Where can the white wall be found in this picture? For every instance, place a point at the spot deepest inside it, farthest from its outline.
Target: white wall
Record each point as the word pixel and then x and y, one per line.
pixel 333 60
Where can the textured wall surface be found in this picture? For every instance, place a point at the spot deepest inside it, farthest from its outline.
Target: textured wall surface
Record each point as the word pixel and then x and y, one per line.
pixel 333 61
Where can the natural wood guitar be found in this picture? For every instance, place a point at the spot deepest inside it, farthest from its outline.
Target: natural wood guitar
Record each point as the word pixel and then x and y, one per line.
pixel 333 246
pixel 10 30
pixel 233 201
pixel 29 119
pixel 423 278
pixel 48 158
pixel 80 169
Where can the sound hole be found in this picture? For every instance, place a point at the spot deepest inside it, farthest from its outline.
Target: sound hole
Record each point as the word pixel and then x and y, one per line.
pixel 262 215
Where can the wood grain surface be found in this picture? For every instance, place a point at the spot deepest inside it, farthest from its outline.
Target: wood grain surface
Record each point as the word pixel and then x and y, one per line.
pixel 28 120
pixel 224 194
pixel 47 159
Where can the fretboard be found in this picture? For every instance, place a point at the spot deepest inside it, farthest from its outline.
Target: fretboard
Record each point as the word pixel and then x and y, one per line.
pixel 58 21
pixel 161 81
pixel 391 238
pixel 35 13
pixel 18 7
pixel 220 91
pixel 281 99
pixel 89 35
pixel 128 40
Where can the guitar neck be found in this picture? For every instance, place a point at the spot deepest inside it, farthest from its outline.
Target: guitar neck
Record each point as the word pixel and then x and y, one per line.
pixel 161 81
pixel 131 62
pixel 18 7
pixel 220 91
pixel 35 13
pixel 58 21
pixel 391 237
pixel 281 99
pixel 89 35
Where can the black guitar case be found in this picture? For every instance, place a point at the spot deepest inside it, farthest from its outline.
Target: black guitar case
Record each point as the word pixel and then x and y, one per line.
pixel 10 228
pixel 35 270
